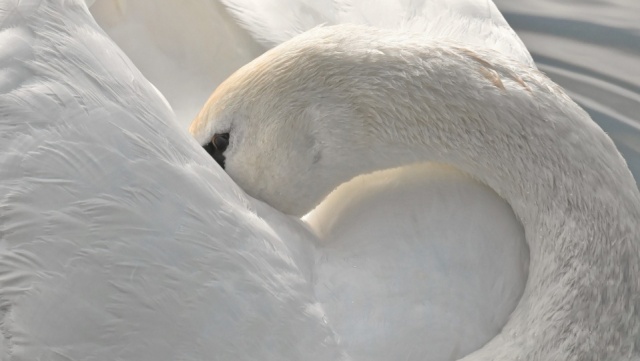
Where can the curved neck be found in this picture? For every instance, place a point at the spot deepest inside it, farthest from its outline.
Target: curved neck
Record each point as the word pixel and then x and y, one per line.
pixel 514 130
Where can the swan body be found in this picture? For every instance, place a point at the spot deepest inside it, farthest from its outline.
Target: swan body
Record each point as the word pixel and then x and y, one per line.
pixel 398 280
pixel 119 238
pixel 341 101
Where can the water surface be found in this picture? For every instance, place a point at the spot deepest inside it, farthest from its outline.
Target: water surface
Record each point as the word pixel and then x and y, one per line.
pixel 592 49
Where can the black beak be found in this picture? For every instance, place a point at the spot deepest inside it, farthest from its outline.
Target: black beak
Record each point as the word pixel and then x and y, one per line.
pixel 217 146
pixel 215 153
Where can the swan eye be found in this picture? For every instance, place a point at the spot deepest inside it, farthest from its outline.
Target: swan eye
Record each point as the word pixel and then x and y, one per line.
pixel 217 146
pixel 220 141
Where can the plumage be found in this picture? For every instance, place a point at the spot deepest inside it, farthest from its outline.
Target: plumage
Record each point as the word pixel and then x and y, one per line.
pixel 120 238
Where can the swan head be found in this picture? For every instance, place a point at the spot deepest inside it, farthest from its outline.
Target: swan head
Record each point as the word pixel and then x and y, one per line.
pixel 324 107
pixel 279 128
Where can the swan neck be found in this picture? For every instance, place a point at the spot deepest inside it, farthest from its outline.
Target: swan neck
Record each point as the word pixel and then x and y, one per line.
pixel 564 179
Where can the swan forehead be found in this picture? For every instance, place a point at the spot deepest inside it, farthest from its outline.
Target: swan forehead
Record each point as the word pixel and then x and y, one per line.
pixel 230 94
pixel 202 127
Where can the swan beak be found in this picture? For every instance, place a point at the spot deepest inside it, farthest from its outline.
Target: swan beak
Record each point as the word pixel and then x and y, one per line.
pixel 215 153
pixel 217 146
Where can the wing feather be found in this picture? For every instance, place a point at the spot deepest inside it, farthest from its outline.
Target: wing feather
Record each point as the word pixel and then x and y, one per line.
pixel 119 237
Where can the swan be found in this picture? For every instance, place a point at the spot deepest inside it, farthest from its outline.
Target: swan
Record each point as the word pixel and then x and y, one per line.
pixel 340 101
pixel 119 238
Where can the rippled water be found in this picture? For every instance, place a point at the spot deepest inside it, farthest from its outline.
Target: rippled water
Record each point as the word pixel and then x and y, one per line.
pixel 592 49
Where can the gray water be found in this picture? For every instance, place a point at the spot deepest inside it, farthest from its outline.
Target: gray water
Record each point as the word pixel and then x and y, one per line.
pixel 592 49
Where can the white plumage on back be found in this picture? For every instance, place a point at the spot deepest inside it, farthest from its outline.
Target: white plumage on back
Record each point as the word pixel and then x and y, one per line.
pixel 120 238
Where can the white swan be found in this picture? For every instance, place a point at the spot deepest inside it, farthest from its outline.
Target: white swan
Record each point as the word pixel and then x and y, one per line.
pixel 118 238
pixel 341 101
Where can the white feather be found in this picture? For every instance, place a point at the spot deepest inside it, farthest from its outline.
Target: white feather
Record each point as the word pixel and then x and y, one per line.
pixel 120 238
